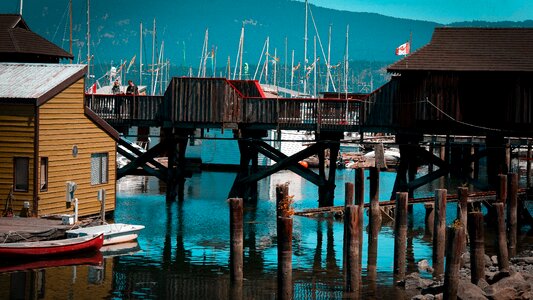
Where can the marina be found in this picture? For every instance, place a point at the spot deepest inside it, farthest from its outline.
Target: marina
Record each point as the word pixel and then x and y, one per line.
pixel 226 185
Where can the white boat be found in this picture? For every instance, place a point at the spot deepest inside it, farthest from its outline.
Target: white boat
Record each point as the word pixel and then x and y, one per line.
pixel 113 233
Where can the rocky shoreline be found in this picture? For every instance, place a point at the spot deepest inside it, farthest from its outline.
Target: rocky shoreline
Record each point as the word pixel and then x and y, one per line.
pixel 515 283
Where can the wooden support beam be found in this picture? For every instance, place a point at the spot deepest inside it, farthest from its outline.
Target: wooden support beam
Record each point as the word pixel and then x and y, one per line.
pixel 283 163
pixel 142 160
pixel 412 185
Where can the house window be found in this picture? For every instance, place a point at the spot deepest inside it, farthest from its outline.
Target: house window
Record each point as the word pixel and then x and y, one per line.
pixel 99 164
pixel 21 172
pixel 44 174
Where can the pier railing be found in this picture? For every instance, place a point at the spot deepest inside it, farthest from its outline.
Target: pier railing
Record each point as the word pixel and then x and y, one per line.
pixel 299 113
pixel 117 109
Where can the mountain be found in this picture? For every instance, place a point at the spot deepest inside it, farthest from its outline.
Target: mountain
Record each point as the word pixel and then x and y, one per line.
pixel 182 24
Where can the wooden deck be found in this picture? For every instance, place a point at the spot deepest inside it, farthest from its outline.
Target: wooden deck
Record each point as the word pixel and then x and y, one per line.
pixel 30 229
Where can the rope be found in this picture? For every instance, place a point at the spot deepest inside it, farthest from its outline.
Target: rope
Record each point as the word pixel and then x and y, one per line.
pixel 9 234
pixel 460 122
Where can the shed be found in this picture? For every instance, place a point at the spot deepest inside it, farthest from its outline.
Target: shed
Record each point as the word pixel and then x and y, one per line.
pixel 48 138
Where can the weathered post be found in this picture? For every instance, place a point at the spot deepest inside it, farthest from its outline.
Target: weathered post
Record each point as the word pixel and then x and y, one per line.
pixel 528 164
pixel 477 246
pixel 375 211
pixel 431 151
pixel 353 234
pixel 502 189
pixel 462 207
pixel 236 238
pixel 284 231
pixel 374 226
pixel 282 194
pixel 400 236
pixel 348 193
pixel 359 185
pixel 439 233
pixel 512 212
pixel 503 255
pixel 456 243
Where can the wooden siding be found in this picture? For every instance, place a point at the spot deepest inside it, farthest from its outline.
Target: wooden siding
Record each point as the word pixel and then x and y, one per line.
pixel 17 131
pixel 63 124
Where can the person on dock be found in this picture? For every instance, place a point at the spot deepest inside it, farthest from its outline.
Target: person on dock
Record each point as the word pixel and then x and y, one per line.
pixel 132 88
pixel 116 88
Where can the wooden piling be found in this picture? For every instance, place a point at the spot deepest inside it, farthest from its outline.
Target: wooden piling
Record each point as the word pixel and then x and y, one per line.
pixel 431 151
pixel 236 238
pixel 439 233
pixel 528 164
pixel 353 234
pixel 457 239
pixel 359 185
pixel 282 194
pixel 502 189
pixel 503 254
pixel 375 211
pixel 400 236
pixel 512 212
pixel 462 207
pixel 477 246
pixel 360 201
pixel 284 231
pixel 348 193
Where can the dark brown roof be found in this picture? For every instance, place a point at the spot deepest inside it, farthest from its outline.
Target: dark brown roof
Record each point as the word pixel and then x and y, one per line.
pixel 16 38
pixel 473 49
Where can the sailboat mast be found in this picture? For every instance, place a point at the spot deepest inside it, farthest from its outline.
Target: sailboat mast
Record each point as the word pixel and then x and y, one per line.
pixel 70 39
pixel 153 58
pixel 292 69
pixel 328 63
pixel 141 54
pixel 305 48
pixel 21 4
pixel 275 63
pixel 88 41
pixel 314 67
pixel 241 51
pixel 286 59
pixel 266 59
pixel 346 63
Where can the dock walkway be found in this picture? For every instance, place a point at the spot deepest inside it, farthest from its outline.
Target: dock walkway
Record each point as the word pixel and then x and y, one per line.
pixel 31 229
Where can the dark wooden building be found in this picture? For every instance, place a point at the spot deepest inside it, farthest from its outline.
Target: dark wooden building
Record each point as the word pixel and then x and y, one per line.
pixel 476 81
pixel 466 81
pixel 19 44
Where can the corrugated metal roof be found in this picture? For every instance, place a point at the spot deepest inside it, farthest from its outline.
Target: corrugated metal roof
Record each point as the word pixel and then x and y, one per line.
pixel 473 49
pixel 31 81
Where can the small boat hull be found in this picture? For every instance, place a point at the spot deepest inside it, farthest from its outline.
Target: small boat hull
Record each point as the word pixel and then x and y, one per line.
pixel 113 233
pixel 52 248
pixel 89 258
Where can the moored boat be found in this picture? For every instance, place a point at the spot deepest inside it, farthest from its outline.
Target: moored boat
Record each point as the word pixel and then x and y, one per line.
pixel 52 248
pixel 113 233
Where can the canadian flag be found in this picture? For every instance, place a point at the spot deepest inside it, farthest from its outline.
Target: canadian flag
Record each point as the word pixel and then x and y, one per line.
pixel 403 49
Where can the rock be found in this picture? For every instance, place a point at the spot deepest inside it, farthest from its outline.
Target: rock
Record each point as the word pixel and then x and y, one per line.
pixel 494 259
pixel 423 265
pixel 439 296
pixel 525 260
pixel 423 297
pixel 488 261
pixel 465 260
pixel 496 276
pixel 413 281
pixel 467 290
pixel 433 289
pixel 512 287
pixel 482 283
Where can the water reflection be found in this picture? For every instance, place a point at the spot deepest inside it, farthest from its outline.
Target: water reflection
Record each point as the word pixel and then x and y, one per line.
pixel 184 249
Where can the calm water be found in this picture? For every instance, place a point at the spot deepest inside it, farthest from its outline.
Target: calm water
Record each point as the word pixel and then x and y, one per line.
pixel 183 253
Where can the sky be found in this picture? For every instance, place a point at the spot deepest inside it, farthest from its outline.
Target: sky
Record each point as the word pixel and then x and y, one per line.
pixel 441 11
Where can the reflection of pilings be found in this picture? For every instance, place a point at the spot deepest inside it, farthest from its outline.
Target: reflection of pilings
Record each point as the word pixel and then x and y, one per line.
pixel 352 272
pixel 512 212
pixel 236 238
pixel 284 231
pixel 429 220
pixel 439 233
pixel 400 235
pixel 348 200
pixel 456 235
pixel 477 246
pixel 503 254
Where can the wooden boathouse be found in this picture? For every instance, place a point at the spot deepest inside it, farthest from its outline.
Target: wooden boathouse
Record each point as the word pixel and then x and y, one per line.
pixel 466 81
pixel 48 138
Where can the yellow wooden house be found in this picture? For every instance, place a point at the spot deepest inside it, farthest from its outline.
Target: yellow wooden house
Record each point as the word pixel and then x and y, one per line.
pixel 48 139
